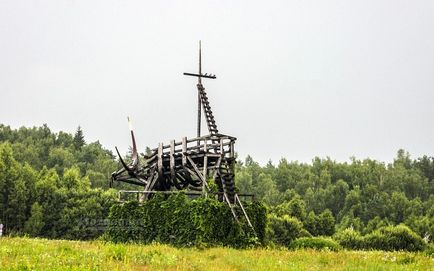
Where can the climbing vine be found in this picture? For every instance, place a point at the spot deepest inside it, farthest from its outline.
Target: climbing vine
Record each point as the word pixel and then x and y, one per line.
pixel 179 221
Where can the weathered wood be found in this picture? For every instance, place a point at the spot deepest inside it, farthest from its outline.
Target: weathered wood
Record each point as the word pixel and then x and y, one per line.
pixel 217 166
pixel 230 205
pixel 205 167
pixel 237 200
pixel 160 159
pixel 199 174
pixel 172 160
pixel 184 151
pixel 190 162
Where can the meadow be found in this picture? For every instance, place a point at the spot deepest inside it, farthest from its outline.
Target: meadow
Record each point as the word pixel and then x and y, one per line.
pixel 17 253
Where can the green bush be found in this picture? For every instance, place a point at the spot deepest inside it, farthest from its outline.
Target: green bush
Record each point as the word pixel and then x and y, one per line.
pixel 429 251
pixel 349 238
pixel 258 217
pixel 318 243
pixel 393 238
pixel 283 230
pixel 179 221
pixel 304 233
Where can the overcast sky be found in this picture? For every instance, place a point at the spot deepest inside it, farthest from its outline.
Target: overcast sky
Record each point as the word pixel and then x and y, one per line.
pixel 296 79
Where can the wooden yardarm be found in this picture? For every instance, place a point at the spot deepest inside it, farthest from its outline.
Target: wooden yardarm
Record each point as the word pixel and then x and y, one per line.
pixel 187 164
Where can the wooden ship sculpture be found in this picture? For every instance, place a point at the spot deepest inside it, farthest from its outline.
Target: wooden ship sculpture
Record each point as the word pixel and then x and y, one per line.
pixel 187 164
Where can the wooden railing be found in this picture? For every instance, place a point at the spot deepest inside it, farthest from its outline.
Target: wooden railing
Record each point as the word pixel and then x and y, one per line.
pixel 219 144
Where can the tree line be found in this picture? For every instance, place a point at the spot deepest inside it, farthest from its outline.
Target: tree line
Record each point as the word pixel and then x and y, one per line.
pixel 327 197
pixel 52 184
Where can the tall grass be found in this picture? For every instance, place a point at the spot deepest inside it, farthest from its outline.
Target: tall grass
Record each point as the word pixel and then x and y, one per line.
pixel 42 254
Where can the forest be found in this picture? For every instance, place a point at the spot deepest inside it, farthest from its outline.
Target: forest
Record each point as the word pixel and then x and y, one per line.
pixel 56 185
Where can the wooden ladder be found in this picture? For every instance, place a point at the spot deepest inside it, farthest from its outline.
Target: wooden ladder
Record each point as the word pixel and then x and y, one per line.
pixel 210 121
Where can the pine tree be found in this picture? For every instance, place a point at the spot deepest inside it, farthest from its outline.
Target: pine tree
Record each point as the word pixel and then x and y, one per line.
pixel 79 139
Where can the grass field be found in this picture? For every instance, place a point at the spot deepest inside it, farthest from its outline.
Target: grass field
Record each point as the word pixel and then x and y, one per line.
pixel 42 254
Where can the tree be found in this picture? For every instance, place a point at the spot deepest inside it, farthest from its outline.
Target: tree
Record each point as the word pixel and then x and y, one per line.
pixel 16 212
pixel 336 195
pixel 325 223
pixel 310 223
pixel 243 181
pixel 79 139
pixel 35 223
pixel 60 158
pixel 11 188
pixel 398 205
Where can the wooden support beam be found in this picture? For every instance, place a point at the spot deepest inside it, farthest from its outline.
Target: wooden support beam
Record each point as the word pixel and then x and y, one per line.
pixel 172 160
pixel 217 167
pixel 184 151
pixel 198 173
pixel 205 165
pixel 160 159
pixel 237 199
pixel 230 206
pixel 221 145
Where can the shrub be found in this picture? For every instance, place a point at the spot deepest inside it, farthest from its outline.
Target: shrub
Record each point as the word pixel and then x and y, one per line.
pixel 349 238
pixel 325 223
pixel 394 238
pixel 318 243
pixel 319 225
pixel 179 221
pixel 304 233
pixel 283 230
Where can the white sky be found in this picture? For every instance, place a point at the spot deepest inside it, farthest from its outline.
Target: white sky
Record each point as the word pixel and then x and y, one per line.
pixel 296 79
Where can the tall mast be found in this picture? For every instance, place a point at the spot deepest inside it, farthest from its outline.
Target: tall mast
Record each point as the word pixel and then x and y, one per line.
pixel 200 90
pixel 199 82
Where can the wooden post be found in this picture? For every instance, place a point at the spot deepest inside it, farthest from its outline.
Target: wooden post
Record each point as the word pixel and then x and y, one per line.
pixel 184 151
pixel 221 147
pixel 205 166
pixel 172 160
pixel 160 159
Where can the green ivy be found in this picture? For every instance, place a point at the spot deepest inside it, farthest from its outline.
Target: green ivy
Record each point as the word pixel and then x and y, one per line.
pixel 179 221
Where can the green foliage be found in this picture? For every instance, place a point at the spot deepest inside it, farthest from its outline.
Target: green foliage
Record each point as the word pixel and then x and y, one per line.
pixel 295 207
pixel 68 178
pixel 349 238
pixel 429 251
pixel 179 221
pixel 283 230
pixel 388 238
pixel 318 243
pixel 320 225
pixel 79 139
pixel 364 194
pixel 44 188
pixel 258 217
pixel 394 238
pixel 35 223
